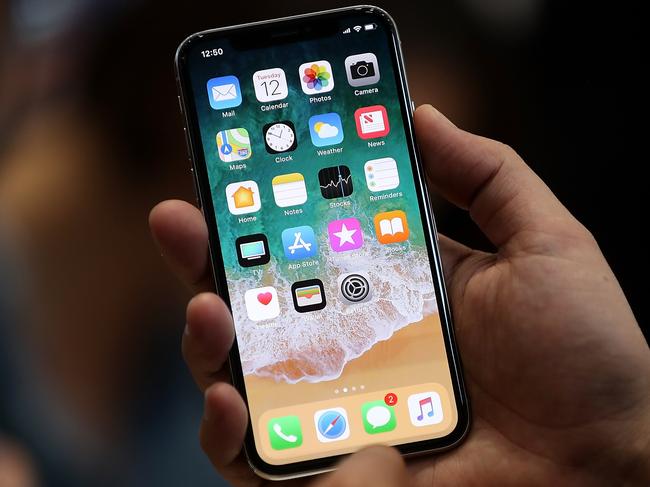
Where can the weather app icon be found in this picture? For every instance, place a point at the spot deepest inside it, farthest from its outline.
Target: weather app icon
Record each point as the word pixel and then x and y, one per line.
pixel 326 129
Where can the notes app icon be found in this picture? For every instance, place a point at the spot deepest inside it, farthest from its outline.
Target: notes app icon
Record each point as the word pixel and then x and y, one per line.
pixel 289 189
pixel 425 408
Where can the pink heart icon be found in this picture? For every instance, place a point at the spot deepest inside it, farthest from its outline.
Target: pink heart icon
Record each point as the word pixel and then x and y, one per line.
pixel 265 298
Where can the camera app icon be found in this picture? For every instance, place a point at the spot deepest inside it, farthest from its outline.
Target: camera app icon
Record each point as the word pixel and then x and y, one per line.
pixel 362 69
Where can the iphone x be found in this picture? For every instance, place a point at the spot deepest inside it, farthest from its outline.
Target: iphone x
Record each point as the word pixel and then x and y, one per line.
pixel 321 238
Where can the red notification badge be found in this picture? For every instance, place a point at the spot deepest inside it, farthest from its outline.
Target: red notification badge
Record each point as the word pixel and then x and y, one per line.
pixel 390 399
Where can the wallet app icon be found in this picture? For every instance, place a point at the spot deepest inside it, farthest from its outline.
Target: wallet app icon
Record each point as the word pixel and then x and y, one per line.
pixel 224 92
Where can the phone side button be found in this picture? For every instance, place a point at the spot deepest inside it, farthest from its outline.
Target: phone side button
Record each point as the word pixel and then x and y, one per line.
pixel 412 106
pixel 196 187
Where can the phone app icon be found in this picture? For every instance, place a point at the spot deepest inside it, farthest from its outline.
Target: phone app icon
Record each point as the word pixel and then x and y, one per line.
pixel 316 77
pixel 299 243
pixel 335 182
pixel 345 234
pixel 270 84
pixel 331 425
pixel 381 174
pixel 362 69
pixel 354 288
pixel 224 92
pixel 425 409
pixel 308 295
pixel 252 250
pixel 326 129
pixel 234 145
pixel 262 303
pixel 289 189
pixel 243 197
pixel 391 227
pixel 280 137
pixel 378 417
pixel 285 432
pixel 372 122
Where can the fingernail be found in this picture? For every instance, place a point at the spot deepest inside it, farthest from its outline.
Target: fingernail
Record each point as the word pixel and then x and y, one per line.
pixel 186 330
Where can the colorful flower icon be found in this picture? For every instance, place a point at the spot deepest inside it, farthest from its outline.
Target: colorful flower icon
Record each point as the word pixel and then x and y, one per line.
pixel 316 77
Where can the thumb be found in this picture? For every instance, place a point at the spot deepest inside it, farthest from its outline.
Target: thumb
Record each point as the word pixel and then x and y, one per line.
pixel 378 466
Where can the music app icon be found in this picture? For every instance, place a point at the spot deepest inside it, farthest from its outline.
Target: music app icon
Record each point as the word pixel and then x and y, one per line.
pixel 425 408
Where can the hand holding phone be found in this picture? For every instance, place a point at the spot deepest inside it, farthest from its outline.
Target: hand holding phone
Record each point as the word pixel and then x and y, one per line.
pixel 509 350
pixel 532 377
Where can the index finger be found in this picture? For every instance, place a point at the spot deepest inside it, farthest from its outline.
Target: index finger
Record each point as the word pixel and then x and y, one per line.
pixel 503 195
pixel 180 231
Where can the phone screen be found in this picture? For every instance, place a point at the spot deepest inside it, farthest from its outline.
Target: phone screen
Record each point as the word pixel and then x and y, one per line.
pixel 309 180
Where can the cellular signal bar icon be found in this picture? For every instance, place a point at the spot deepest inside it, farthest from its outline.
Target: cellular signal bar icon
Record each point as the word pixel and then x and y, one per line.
pixel 347 31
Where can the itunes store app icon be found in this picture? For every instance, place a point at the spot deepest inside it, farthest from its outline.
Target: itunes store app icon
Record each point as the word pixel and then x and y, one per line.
pixel 262 303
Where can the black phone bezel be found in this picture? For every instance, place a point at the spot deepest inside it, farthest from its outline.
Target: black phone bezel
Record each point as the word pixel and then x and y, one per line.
pixel 290 29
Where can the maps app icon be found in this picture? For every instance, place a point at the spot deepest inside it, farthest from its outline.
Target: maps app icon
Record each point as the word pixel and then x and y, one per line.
pixel 234 145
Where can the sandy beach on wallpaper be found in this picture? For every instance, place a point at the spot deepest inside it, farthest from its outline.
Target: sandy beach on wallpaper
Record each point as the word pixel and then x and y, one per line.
pixel 418 343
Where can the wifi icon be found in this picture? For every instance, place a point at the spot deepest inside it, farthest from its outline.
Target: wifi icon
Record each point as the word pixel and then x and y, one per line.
pixel 357 28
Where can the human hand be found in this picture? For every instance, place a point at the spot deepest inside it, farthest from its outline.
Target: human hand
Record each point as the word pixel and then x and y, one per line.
pixel 555 364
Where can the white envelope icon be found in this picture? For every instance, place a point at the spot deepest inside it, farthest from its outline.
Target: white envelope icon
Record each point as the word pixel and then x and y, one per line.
pixel 224 92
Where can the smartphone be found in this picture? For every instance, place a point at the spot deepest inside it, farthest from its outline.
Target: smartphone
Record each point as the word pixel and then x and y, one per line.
pixel 322 240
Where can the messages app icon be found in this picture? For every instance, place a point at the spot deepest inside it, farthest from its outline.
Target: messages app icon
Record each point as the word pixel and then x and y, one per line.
pixel 378 417
pixel 224 92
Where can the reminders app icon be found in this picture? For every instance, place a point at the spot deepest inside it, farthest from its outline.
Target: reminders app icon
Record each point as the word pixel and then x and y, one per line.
pixel 224 92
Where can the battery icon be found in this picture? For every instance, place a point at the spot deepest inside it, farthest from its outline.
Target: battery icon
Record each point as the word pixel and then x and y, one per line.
pixel 370 27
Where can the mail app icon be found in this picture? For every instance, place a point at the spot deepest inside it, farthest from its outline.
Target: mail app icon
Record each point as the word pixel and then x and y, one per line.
pixel 224 92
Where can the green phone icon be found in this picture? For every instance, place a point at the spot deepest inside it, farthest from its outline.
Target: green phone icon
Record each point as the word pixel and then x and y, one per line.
pixel 378 417
pixel 285 432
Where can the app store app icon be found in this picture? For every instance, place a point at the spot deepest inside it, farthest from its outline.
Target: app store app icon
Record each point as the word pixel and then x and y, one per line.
pixel 299 243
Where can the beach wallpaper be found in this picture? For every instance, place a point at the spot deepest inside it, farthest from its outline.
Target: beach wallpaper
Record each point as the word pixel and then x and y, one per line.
pixel 344 202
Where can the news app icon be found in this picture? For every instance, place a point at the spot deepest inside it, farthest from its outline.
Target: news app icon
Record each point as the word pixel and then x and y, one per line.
pixel 372 122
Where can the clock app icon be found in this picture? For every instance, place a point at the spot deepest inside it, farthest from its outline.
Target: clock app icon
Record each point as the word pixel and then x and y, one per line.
pixel 280 137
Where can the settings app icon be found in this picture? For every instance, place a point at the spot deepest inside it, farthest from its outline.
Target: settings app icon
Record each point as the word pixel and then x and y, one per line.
pixel 354 288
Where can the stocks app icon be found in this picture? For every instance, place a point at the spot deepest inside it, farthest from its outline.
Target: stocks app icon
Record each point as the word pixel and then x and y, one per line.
pixel 335 182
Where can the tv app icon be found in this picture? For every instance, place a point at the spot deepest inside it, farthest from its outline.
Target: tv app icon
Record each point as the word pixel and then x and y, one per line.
pixel 252 250
pixel 308 295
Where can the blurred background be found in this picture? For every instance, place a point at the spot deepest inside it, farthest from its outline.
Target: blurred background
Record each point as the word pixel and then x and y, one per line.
pixel 92 386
